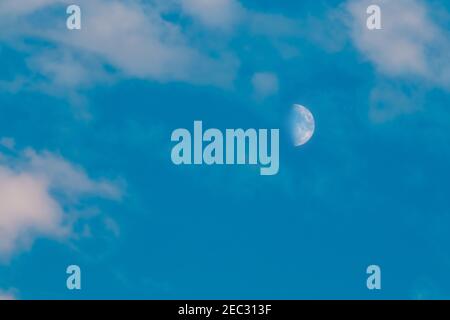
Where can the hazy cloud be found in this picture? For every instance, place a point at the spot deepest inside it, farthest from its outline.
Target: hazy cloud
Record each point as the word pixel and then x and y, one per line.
pixel 219 14
pixel 265 84
pixel 390 100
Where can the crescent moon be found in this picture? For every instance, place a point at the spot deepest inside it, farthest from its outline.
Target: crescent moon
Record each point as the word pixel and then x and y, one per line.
pixel 303 125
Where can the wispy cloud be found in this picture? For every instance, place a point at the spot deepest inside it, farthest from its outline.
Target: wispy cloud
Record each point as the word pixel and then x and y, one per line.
pixel 37 190
pixel 133 39
pixel 222 15
pixel 411 44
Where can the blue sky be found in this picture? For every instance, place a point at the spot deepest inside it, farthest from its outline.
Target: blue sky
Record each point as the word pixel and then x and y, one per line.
pixel 85 170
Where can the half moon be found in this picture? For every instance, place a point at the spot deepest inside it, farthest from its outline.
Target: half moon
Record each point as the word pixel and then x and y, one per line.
pixel 302 125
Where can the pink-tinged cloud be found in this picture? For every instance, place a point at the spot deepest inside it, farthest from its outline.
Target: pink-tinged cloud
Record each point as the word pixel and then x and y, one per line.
pixel 36 188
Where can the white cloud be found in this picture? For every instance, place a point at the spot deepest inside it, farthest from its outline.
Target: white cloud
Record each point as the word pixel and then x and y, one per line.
pixel 65 70
pixel 265 84
pixel 225 15
pixel 410 44
pixel 26 209
pixel 36 190
pixel 220 14
pixel 66 176
pixel 132 37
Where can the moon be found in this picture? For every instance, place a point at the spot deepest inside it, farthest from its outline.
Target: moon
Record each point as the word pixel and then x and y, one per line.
pixel 302 125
